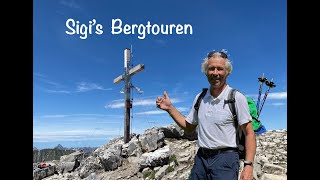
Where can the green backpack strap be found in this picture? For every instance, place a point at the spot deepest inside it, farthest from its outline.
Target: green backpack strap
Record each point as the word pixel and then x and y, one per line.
pixel 197 104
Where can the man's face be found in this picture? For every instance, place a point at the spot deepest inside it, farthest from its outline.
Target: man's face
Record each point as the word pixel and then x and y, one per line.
pixel 216 72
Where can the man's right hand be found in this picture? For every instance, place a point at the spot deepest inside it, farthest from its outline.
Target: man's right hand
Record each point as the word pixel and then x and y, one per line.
pixel 164 102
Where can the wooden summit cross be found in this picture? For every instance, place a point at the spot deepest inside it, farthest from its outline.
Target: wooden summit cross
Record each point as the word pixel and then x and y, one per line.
pixel 126 76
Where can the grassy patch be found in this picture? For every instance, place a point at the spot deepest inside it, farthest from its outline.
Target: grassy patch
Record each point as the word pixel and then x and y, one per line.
pixel 170 169
pixel 151 174
pixel 173 158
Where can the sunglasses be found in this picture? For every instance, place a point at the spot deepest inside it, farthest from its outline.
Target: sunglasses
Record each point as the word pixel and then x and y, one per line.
pixel 220 53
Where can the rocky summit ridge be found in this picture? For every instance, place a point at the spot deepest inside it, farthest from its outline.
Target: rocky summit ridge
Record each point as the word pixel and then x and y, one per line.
pixel 160 153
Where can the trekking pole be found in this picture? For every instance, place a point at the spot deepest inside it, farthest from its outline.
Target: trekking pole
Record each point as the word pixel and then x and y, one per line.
pixel 261 81
pixel 270 85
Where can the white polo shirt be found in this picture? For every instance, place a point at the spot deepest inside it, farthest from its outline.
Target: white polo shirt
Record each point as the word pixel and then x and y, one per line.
pixel 214 119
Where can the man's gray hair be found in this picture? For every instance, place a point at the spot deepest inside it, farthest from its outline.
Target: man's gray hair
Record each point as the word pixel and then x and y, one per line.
pixel 204 65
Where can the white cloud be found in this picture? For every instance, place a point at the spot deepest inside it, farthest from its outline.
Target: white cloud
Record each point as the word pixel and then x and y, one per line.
pixel 80 115
pixel 43 78
pixel 39 75
pixel 60 89
pixel 181 109
pixel 138 102
pixel 57 91
pixel 55 116
pixel 74 135
pixel 277 95
pixel 152 112
pixel 85 86
pixel 144 102
pixel 278 104
pixel 115 105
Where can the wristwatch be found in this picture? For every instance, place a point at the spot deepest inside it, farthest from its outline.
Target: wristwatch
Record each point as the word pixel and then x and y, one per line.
pixel 247 163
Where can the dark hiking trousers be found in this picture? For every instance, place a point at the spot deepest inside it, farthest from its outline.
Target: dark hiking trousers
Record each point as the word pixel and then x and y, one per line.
pixel 215 166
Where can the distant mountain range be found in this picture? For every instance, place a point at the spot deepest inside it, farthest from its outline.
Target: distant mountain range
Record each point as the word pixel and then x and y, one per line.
pixel 55 153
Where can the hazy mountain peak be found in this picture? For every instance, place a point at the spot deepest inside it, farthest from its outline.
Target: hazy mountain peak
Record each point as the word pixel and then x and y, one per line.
pixel 59 146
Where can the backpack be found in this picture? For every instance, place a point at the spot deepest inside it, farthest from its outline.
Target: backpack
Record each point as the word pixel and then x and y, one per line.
pixel 256 124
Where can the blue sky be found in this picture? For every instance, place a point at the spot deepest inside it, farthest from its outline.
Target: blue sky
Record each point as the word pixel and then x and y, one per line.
pixel 76 103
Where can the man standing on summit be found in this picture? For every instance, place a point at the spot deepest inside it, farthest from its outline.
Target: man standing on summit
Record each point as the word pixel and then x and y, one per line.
pixel 217 157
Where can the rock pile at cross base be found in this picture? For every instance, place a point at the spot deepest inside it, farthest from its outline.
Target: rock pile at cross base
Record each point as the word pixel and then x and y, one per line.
pixel 160 153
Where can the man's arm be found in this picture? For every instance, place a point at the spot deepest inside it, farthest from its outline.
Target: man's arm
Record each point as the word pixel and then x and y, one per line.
pixel 164 103
pixel 250 141
pixel 250 150
pixel 180 119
